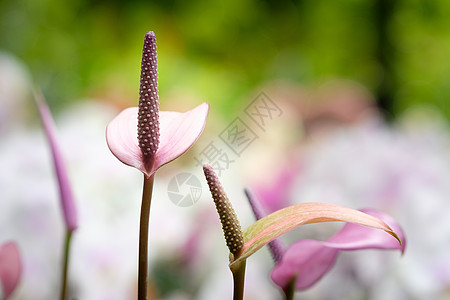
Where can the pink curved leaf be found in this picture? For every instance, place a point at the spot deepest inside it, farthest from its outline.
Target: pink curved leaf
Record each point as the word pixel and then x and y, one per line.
pixel 272 226
pixel 10 267
pixel 178 132
pixel 308 260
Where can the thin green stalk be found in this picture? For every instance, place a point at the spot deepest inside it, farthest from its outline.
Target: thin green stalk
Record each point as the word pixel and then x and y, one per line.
pixel 289 291
pixel 238 281
pixel 143 237
pixel 65 265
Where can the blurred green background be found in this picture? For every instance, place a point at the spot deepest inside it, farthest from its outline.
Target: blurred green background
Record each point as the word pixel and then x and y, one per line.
pixel 220 51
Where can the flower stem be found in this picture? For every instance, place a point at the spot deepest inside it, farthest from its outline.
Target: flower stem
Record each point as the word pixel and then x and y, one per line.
pixel 66 264
pixel 289 290
pixel 143 237
pixel 238 281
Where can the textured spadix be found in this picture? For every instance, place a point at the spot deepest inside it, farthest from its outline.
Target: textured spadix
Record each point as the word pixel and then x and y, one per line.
pixel 148 115
pixel 230 223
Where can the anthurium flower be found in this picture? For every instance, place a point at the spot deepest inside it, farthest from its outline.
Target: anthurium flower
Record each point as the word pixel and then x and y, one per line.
pixel 242 244
pixel 307 261
pixel 145 138
pixel 10 268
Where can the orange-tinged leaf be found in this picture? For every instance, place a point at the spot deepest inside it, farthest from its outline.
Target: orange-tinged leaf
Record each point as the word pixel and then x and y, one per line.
pixel 272 226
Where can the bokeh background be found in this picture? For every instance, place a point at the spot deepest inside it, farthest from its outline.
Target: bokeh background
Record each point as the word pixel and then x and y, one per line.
pixel 363 87
pixel 220 51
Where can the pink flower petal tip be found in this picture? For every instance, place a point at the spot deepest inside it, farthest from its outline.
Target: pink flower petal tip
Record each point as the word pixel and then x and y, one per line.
pixel 178 132
pixel 10 267
pixel 309 260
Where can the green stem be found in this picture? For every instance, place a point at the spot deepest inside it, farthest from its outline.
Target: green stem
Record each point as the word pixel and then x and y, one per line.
pixel 238 281
pixel 289 291
pixel 66 265
pixel 143 237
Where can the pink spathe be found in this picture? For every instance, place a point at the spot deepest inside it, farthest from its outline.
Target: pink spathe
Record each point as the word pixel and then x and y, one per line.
pixel 178 132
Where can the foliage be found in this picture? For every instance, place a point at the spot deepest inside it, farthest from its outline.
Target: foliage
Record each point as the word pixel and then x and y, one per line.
pixel 221 52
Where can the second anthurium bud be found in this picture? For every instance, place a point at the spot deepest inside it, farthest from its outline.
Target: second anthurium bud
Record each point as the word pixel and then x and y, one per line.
pixel 230 223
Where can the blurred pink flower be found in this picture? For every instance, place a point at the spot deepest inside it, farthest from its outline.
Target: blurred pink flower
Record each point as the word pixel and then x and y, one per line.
pixel 307 261
pixel 274 195
pixel 10 267
pixel 145 138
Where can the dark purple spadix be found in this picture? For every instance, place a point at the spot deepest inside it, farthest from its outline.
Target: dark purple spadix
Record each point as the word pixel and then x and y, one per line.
pixel 148 116
pixel 230 223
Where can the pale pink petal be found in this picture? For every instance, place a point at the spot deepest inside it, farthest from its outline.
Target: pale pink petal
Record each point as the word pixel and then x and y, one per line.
pixel 65 190
pixel 310 260
pixel 10 267
pixel 121 136
pixel 178 132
